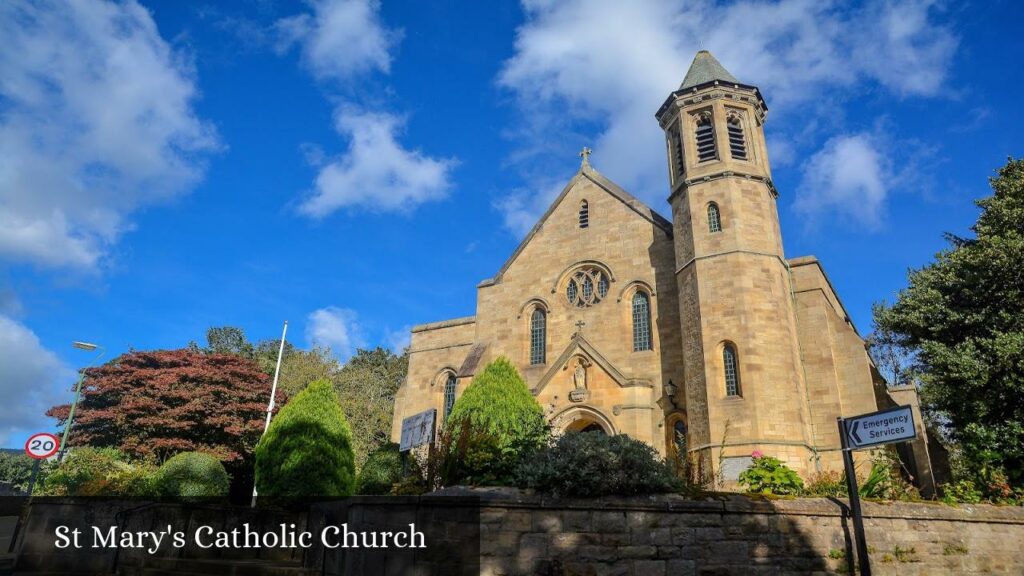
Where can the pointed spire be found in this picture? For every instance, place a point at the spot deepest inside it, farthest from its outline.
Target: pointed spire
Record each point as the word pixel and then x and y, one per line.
pixel 706 68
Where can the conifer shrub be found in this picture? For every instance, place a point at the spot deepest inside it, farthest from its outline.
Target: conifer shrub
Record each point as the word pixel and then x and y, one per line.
pixel 492 425
pixel 381 471
pixel 308 449
pixel 768 475
pixel 192 475
pixel 595 464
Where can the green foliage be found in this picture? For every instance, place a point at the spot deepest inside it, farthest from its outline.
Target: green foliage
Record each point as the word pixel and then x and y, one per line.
pixel 192 475
pixel 495 422
pixel 97 472
pixel 768 475
pixel 595 464
pixel 955 549
pixel 884 481
pixel 381 471
pixel 827 484
pixel 366 388
pixel 837 553
pixel 15 470
pixel 961 492
pixel 308 449
pixel 959 323
pixel 366 385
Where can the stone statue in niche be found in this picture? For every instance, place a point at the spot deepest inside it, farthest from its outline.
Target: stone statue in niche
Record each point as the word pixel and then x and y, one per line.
pixel 579 378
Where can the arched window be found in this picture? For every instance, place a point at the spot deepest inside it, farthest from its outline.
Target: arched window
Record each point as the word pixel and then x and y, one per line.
pixel 679 439
pixel 538 335
pixel 737 144
pixel 641 322
pixel 732 370
pixel 584 214
pixel 449 395
pixel 714 218
pixel 705 139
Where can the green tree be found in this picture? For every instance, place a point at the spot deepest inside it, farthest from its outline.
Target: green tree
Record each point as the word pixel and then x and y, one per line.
pixel 960 322
pixel 229 340
pixel 381 471
pixel 366 387
pixel 500 419
pixel 308 449
pixel 192 475
pixel 15 470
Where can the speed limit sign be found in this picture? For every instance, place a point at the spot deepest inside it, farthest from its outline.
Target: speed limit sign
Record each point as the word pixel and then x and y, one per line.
pixel 42 445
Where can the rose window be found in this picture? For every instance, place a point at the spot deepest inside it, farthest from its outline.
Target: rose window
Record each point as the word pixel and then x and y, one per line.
pixel 586 287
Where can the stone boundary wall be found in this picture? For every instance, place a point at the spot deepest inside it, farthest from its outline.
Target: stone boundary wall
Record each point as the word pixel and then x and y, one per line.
pixel 734 534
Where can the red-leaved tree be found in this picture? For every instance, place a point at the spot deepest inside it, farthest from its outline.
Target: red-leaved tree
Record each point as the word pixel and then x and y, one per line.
pixel 163 402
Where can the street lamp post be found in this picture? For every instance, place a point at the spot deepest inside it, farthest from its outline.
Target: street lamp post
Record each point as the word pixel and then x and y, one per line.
pixel 88 347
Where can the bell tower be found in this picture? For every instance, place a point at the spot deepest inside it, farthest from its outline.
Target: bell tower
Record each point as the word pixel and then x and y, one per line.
pixel 744 387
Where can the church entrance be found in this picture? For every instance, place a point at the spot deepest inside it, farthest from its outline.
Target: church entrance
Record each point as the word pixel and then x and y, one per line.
pixel 585 424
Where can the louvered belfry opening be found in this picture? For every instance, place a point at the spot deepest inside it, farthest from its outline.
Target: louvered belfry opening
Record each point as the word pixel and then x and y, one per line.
pixel 737 144
pixel 676 145
pixel 584 214
pixel 705 140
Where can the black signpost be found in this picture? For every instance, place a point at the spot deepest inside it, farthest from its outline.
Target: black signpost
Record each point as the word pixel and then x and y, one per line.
pixel 865 431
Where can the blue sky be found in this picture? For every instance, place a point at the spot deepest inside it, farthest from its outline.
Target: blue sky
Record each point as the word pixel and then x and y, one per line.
pixel 357 167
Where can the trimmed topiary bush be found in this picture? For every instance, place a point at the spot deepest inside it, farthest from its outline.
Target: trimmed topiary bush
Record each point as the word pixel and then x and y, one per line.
pixel 192 475
pixel 381 471
pixel 595 464
pixel 768 475
pixel 494 423
pixel 308 449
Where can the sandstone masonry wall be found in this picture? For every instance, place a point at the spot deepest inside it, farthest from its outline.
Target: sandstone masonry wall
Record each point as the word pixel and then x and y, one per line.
pixel 668 535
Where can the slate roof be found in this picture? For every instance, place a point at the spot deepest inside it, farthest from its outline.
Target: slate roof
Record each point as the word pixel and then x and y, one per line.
pixel 705 68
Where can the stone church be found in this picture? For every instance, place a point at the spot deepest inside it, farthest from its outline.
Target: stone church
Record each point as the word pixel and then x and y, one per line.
pixel 695 334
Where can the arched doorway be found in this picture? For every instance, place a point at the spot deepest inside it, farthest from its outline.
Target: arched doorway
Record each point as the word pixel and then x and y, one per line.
pixel 582 419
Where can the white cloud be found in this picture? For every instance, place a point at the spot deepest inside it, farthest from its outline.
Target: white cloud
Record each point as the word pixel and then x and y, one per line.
pixel 376 173
pixel 522 208
pixel 335 328
pixel 398 340
pixel 846 178
pixel 580 62
pixel 96 120
pixel 340 38
pixel 32 380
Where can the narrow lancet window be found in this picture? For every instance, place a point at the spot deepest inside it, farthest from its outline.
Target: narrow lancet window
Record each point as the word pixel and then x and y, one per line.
pixel 538 336
pixel 449 395
pixel 714 218
pixel 584 214
pixel 732 370
pixel 641 322
pixel 706 139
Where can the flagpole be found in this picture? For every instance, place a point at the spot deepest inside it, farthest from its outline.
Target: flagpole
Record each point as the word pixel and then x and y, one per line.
pixel 270 405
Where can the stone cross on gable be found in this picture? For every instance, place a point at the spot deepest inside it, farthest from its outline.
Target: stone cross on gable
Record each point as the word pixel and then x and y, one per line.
pixel 579 326
pixel 585 154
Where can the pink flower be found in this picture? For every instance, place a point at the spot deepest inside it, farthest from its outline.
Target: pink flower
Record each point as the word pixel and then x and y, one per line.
pixel 756 454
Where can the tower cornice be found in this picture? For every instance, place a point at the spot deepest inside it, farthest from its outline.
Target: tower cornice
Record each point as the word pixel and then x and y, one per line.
pixel 684 184
pixel 714 90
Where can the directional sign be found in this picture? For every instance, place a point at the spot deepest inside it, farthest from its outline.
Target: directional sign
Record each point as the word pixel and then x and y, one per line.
pixel 417 429
pixel 42 445
pixel 883 427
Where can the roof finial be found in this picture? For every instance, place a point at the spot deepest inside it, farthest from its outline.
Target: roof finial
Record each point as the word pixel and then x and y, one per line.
pixel 585 154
